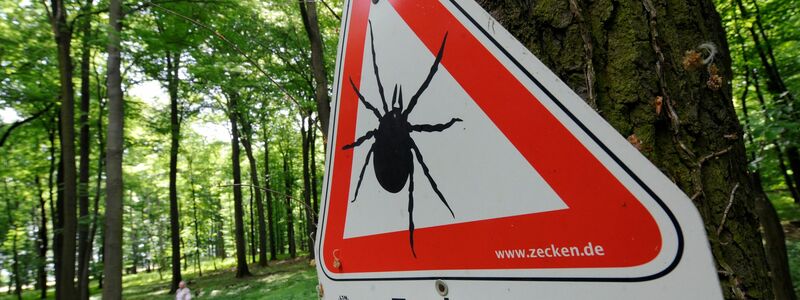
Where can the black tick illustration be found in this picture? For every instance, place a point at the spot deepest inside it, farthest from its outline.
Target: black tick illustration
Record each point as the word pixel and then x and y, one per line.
pixel 393 146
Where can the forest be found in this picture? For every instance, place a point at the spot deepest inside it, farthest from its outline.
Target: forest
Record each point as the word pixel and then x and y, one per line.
pixel 144 143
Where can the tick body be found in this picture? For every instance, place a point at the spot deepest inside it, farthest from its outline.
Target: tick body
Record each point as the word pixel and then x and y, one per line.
pixel 394 150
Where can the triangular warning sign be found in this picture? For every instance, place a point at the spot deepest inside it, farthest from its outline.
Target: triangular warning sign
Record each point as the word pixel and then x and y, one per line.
pixel 507 186
pixel 454 153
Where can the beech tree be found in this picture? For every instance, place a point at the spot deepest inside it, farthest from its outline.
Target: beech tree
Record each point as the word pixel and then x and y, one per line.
pixel 659 73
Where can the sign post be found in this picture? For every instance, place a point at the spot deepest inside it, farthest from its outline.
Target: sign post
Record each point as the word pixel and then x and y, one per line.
pixel 460 167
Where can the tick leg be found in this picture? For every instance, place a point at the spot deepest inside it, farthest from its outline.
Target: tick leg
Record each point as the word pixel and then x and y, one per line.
pixel 361 175
pixel 364 101
pixel 375 67
pixel 434 128
pixel 411 210
pixel 427 81
pixel 428 174
pixel 360 140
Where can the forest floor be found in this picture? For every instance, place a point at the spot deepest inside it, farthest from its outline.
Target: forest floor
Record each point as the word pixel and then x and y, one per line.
pixel 283 279
pixel 288 279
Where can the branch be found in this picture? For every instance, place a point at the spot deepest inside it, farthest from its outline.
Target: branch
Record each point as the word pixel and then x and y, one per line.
pixel 330 10
pixel 234 46
pixel 271 191
pixel 727 209
pixel 20 123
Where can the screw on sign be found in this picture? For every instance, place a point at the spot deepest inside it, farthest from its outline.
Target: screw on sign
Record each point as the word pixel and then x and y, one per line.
pixel 393 163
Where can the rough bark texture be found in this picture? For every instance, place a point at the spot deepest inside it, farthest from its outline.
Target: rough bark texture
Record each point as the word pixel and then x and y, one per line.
pixel 173 63
pixel 308 12
pixel 620 56
pixel 112 242
pixel 238 211
pixel 63 38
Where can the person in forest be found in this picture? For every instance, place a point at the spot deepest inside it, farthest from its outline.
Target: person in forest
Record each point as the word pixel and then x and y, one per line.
pixel 183 293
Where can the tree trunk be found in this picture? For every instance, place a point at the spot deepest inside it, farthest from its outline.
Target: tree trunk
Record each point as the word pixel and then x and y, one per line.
pixel 238 211
pixel 305 133
pixel 112 241
pixel 194 213
pixel 247 138
pixel 41 267
pixel 63 38
pixel 630 55
pixel 273 250
pixel 308 12
pixel 57 217
pixel 12 230
pixel 287 179
pixel 314 193
pixel 85 149
pixel 790 185
pixel 173 63
pixel 252 228
pixel 15 256
pixel 97 192
pixel 794 162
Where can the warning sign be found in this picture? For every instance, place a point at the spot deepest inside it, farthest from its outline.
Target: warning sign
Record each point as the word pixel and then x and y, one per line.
pixel 456 155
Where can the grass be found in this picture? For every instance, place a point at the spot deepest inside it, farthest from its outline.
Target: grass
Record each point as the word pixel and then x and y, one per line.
pixel 284 279
pixel 294 279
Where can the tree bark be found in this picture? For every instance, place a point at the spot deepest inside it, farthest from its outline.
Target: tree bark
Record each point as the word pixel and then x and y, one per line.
pixel 305 133
pixel 314 184
pixel 790 184
pixel 85 150
pixel 98 188
pixel 238 211
pixel 273 250
pixel 252 228
pixel 247 138
pixel 194 213
pixel 287 180
pixel 41 270
pixel 631 54
pixel 173 63
pixel 63 38
pixel 112 241
pixel 308 12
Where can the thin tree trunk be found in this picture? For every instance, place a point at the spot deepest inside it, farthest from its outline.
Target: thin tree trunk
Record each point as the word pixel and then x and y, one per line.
pixel 41 271
pixel 642 42
pixel 173 63
pixel 241 254
pixel 112 241
pixel 57 217
pixel 793 190
pixel 15 256
pixel 12 230
pixel 287 179
pixel 305 133
pixel 314 183
pixel 308 12
pixel 247 139
pixel 85 150
pixel 273 250
pixel 252 228
pixel 194 213
pixel 98 188
pixel 63 38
